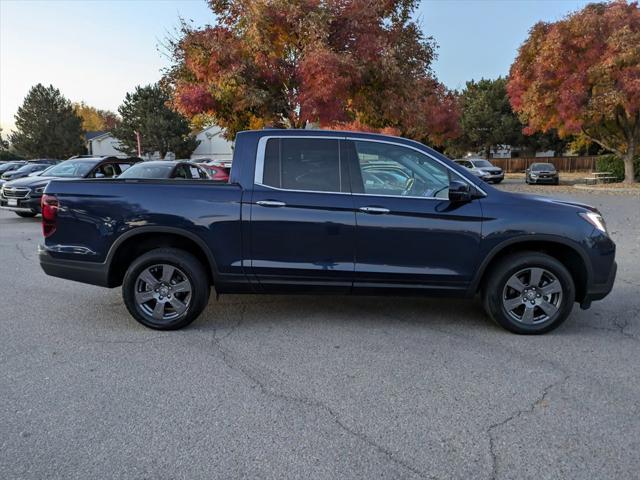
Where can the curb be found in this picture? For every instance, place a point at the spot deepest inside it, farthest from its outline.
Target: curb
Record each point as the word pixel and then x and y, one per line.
pixel 606 189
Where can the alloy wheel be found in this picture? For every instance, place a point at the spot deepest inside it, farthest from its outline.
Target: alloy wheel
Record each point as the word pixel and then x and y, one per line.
pixel 163 292
pixel 532 295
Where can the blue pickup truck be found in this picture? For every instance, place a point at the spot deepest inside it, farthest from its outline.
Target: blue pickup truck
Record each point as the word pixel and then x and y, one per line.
pixel 328 212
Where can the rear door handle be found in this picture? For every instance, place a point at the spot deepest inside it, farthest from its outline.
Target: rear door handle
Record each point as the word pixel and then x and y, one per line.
pixel 375 210
pixel 271 203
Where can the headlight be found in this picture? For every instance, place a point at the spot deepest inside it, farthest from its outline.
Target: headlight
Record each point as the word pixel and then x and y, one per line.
pixel 595 219
pixel 533 175
pixel 40 189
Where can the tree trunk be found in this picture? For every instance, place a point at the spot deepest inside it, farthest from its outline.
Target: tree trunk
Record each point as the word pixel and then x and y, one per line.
pixel 629 171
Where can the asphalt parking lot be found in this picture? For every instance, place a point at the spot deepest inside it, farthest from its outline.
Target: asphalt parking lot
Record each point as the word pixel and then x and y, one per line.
pixel 272 387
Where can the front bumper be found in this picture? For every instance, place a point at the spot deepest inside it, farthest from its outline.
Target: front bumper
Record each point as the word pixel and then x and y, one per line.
pixel 549 180
pixel 598 291
pixel 30 204
pixel 498 177
pixel 93 273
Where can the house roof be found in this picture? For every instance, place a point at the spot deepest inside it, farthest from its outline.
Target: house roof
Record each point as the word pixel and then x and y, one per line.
pixel 97 134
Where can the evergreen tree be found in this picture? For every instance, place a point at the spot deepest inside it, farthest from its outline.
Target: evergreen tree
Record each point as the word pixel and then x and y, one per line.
pixel 47 126
pixel 161 129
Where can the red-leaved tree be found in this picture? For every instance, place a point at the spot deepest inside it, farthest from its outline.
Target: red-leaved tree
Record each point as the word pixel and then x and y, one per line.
pixel 581 75
pixel 354 64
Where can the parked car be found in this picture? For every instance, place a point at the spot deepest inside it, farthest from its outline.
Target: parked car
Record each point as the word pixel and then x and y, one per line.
pixel 216 172
pixel 298 215
pixel 166 169
pixel 483 168
pixel 11 166
pixel 23 195
pixel 23 171
pixel 542 173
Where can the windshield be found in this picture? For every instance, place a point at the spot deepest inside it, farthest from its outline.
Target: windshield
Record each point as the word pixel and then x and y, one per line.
pixel 9 166
pixel 30 168
pixel 482 163
pixel 71 169
pixel 542 166
pixel 141 170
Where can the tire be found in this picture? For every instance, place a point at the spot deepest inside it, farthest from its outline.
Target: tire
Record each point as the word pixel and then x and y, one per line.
pixel 26 214
pixel 157 302
pixel 497 181
pixel 547 311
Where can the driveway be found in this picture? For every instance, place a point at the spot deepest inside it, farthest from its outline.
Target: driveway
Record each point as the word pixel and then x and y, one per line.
pixel 273 387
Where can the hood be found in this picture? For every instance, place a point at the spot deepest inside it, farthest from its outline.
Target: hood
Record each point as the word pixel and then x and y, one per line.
pixel 30 182
pixel 555 201
pixel 490 169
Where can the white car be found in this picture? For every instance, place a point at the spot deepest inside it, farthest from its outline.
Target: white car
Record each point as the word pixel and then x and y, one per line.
pixel 482 168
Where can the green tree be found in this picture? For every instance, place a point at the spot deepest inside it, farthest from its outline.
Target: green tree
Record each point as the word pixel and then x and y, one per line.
pixel 47 126
pixel 487 120
pixel 161 129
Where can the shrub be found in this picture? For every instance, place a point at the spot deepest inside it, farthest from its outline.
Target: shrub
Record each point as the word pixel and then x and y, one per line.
pixel 615 165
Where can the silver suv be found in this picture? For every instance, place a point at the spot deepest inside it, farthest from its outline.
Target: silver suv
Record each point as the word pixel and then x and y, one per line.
pixel 482 168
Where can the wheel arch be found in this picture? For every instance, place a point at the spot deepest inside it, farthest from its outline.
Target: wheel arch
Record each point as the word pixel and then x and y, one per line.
pixel 561 249
pixel 140 240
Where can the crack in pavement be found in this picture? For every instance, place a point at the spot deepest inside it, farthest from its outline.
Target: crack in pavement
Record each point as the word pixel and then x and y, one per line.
pixel 514 416
pixel 22 252
pixel 233 364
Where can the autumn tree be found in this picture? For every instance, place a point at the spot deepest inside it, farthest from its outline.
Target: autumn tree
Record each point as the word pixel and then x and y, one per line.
pixel 47 126
pixel 291 63
pixel 94 119
pixel 161 129
pixel 581 75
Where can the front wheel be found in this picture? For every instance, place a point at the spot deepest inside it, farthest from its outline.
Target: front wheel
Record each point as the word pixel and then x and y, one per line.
pixel 30 214
pixel 166 289
pixel 529 293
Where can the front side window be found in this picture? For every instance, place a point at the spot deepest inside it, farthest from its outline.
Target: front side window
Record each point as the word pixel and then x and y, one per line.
pixel 400 171
pixel 182 172
pixel 311 164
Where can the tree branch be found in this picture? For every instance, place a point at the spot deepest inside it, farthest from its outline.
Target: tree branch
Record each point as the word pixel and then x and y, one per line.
pixel 602 143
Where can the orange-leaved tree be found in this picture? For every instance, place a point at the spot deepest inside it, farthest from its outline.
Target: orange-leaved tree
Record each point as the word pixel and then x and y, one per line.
pixel 358 64
pixel 581 75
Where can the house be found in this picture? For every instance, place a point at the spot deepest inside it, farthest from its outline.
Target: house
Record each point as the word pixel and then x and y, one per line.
pixel 213 145
pixel 102 144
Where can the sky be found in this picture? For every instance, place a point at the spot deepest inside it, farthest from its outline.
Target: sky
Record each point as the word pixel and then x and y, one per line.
pixel 97 50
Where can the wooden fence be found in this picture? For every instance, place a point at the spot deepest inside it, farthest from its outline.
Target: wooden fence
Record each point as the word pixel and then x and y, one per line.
pixel 562 164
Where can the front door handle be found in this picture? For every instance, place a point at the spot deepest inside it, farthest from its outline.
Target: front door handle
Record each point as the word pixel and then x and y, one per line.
pixel 375 210
pixel 271 203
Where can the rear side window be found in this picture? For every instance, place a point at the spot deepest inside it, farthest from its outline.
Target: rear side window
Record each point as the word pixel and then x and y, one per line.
pixel 304 164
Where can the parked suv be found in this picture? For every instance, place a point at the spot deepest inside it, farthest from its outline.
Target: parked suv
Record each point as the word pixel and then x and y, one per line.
pixel 483 168
pixel 23 195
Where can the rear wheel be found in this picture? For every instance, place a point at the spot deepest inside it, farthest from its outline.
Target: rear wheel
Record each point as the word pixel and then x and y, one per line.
pixel 30 214
pixel 529 293
pixel 166 289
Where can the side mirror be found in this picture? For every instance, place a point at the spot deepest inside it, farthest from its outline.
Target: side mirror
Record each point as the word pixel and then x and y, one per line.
pixel 99 175
pixel 459 192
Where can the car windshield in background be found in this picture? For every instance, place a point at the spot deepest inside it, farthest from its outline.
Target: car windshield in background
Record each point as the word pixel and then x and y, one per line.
pixel 31 168
pixel 482 163
pixel 71 169
pixel 542 166
pixel 148 171
pixel 5 167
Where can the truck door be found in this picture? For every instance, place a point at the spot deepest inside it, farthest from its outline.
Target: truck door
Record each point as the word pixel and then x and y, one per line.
pixel 302 215
pixel 409 235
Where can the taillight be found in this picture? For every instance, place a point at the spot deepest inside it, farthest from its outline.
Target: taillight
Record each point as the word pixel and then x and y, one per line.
pixel 49 205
